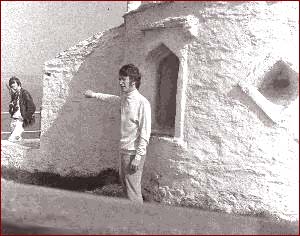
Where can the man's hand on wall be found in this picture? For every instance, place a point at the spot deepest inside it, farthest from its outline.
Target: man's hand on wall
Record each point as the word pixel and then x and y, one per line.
pixel 89 93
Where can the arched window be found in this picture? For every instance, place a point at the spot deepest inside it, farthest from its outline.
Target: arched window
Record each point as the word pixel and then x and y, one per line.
pixel 163 69
pixel 167 76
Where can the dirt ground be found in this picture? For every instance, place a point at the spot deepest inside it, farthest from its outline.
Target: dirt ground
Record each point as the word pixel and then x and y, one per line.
pixel 31 209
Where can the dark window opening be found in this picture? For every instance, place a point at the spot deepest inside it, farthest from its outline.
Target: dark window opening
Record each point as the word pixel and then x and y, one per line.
pixel 167 76
pixel 280 84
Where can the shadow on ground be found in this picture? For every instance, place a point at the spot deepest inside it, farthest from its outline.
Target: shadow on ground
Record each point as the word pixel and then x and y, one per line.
pixel 57 212
pixel 10 228
pixel 105 183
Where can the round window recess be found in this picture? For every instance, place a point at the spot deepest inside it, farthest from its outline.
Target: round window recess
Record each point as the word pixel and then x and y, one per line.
pixel 280 84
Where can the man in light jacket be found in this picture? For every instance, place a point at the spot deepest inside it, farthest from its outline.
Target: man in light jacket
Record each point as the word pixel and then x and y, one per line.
pixel 135 129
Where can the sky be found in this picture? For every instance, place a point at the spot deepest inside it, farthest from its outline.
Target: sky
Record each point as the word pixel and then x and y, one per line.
pixel 33 32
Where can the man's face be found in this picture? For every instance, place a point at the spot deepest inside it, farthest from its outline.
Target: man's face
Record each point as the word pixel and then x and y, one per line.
pixel 15 87
pixel 125 84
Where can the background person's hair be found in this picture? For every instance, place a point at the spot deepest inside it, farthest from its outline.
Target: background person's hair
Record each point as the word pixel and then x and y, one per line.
pixel 13 80
pixel 133 72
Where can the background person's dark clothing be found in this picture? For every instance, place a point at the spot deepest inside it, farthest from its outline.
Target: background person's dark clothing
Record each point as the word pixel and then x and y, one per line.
pixel 27 106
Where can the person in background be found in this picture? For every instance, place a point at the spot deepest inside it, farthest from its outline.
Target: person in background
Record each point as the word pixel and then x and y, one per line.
pixel 21 109
pixel 135 129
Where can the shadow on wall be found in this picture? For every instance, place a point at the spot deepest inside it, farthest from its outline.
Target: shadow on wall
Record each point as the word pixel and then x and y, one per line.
pixel 279 86
pixel 83 139
pixel 237 94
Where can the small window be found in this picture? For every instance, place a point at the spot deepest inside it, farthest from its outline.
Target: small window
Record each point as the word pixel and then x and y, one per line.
pixel 280 84
pixel 164 66
pixel 167 76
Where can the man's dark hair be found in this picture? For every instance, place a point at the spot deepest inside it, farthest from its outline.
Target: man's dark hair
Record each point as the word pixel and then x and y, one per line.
pixel 13 80
pixel 133 72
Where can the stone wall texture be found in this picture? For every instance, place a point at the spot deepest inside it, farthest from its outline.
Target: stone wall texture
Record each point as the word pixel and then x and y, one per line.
pixel 80 136
pixel 234 150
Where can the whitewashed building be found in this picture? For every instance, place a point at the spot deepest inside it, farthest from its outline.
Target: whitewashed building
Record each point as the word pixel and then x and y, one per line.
pixel 222 80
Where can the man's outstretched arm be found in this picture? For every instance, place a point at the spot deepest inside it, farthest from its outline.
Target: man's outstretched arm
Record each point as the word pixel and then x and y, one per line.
pixel 102 96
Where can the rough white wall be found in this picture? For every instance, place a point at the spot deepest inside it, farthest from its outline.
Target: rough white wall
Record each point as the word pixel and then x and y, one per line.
pixel 250 162
pixel 19 156
pixel 78 133
pixel 237 159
